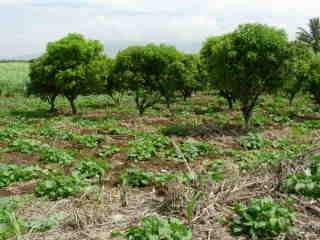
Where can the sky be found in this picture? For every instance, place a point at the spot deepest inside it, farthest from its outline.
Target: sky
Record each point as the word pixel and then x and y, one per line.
pixel 28 25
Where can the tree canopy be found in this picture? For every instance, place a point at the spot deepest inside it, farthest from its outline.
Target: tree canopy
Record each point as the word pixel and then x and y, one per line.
pixel 247 63
pixel 151 72
pixel 313 85
pixel 311 36
pixel 71 66
pixel 297 68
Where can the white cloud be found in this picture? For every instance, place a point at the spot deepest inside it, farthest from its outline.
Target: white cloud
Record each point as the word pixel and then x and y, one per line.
pixel 32 23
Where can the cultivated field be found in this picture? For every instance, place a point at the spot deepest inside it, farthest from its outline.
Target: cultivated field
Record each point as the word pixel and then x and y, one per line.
pixel 103 170
pixel 13 76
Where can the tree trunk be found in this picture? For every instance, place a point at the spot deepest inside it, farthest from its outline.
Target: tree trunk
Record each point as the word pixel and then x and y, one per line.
pixel 228 97
pixel 247 114
pixel 168 102
pixel 141 110
pixel 73 105
pixel 291 97
pixel 230 103
pixel 139 105
pixel 186 95
pixel 317 100
pixel 52 103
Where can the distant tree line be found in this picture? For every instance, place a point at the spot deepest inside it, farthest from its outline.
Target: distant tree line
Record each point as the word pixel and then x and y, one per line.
pixel 252 60
pixel 14 61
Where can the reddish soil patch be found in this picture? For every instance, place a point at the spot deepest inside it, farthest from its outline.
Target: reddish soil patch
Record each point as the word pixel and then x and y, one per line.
pixel 19 158
pixel 18 189
pixel 158 121
pixel 94 115
pixel 158 166
pixel 306 118
pixel 275 133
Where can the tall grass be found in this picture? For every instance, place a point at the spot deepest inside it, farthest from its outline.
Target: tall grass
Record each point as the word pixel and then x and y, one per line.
pixel 13 77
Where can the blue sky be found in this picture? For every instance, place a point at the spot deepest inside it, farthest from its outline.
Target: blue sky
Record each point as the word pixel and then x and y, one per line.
pixel 27 25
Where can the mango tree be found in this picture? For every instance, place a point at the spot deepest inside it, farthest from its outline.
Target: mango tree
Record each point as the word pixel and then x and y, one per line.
pixel 72 66
pixel 150 72
pixel 313 85
pixel 216 64
pixel 297 69
pixel 249 62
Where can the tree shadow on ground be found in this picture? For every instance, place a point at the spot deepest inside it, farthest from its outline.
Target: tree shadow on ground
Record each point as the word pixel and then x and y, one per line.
pixel 40 113
pixel 204 130
pixel 309 117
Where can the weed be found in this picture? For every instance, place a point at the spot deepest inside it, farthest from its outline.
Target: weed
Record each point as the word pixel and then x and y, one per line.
pixel 89 141
pixel 91 168
pixel 192 149
pixel 13 173
pixel 215 170
pixel 45 224
pixel 262 218
pixel 53 155
pixel 252 141
pixel 305 183
pixel 108 150
pixel 136 177
pixel 57 187
pixel 27 146
pixel 155 228
pixel 49 132
pixel 146 146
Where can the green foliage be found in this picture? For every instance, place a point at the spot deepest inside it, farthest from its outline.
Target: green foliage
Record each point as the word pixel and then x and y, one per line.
pixel 252 141
pixel 247 63
pixel 261 159
pixel 53 155
pixel 136 177
pixel 8 133
pixel 10 225
pixel 45 224
pixel 27 146
pixel 49 132
pixel 181 130
pixel 190 76
pixel 58 187
pixel 152 72
pixel 262 218
pixel 91 168
pixel 13 77
pixel 89 141
pixel 192 149
pixel 108 150
pixel 146 146
pixel 216 170
pixel 71 66
pixel 155 228
pixel 314 79
pixel 311 36
pixel 297 69
pixel 14 173
pixel 305 183
pixel 217 73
